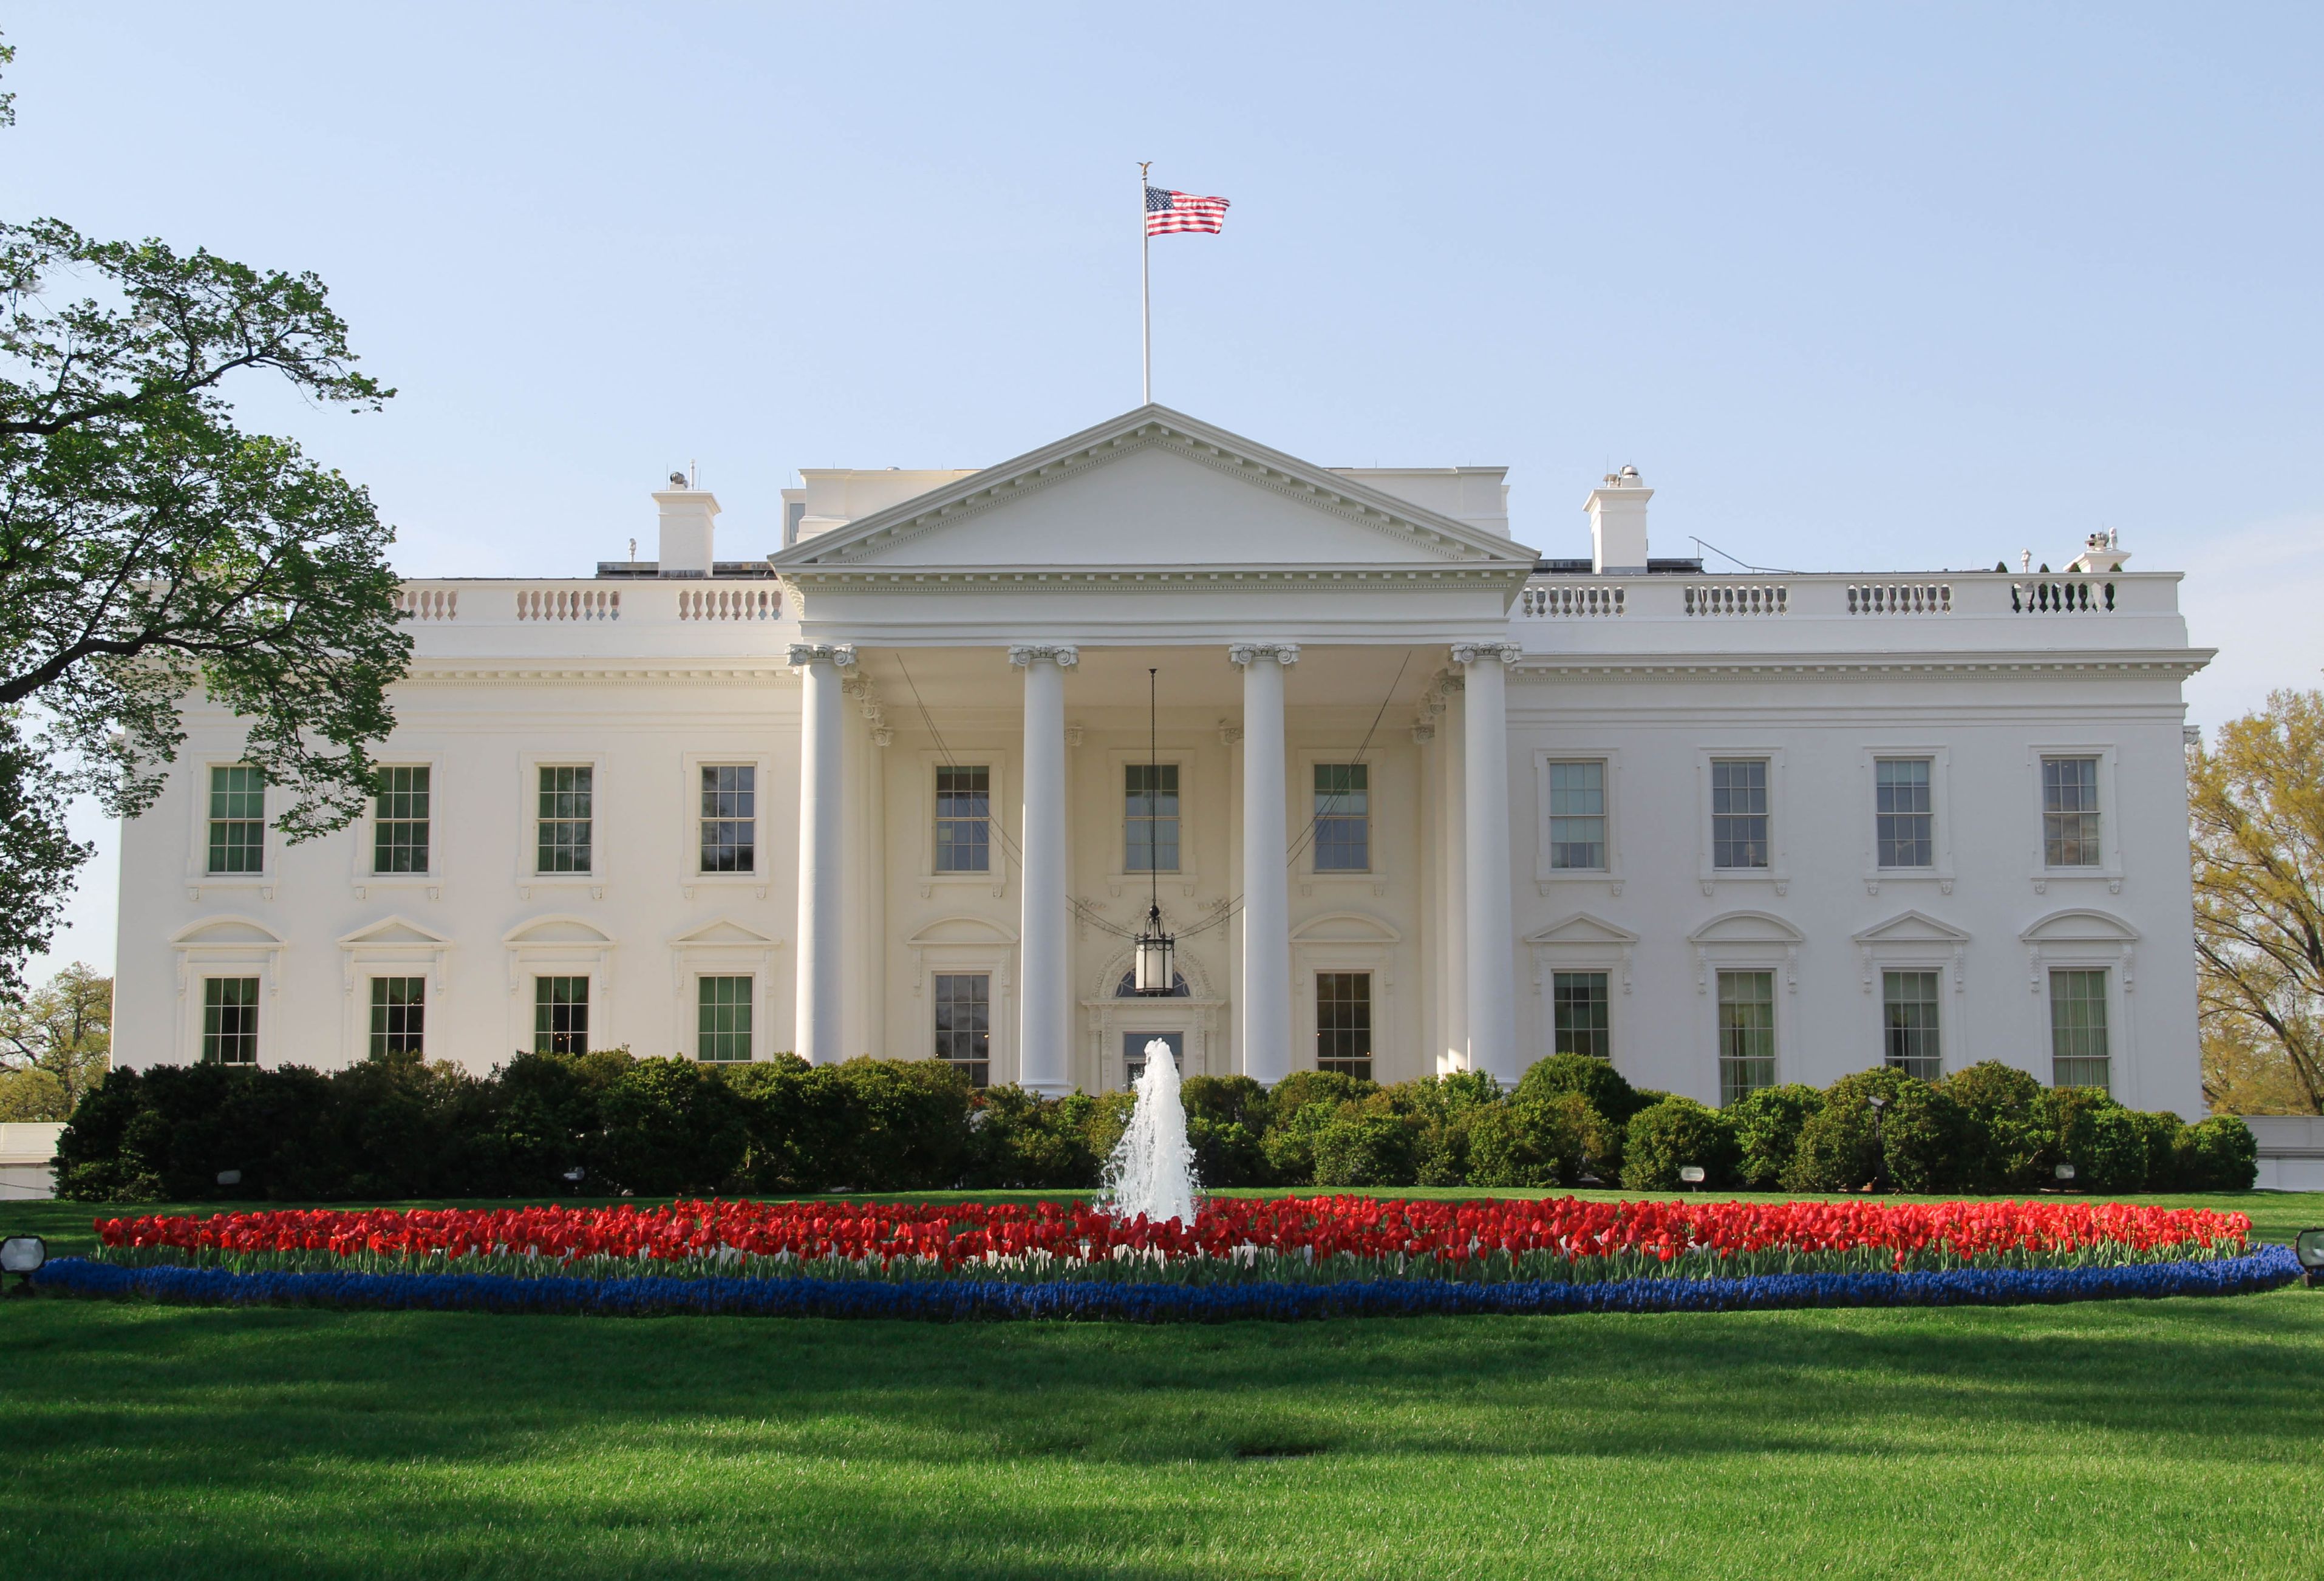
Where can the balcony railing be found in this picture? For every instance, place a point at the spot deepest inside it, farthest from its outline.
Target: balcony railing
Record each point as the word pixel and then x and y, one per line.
pixel 1734 598
pixel 1900 598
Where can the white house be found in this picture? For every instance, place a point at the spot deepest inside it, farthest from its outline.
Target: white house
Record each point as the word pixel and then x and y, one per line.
pixel 1415 799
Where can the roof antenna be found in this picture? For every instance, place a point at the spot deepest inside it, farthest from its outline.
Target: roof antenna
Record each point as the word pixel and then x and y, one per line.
pixel 693 476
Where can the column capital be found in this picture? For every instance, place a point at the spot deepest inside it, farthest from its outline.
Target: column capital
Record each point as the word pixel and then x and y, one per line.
pixel 839 654
pixel 1282 653
pixel 1064 655
pixel 1469 653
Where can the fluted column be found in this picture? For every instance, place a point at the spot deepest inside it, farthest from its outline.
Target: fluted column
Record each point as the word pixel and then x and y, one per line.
pixel 1265 890
pixel 815 1034
pixel 1045 990
pixel 1490 941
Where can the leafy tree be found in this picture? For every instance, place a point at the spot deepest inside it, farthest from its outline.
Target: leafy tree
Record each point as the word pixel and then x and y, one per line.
pixel 151 550
pixel 55 1045
pixel 2256 798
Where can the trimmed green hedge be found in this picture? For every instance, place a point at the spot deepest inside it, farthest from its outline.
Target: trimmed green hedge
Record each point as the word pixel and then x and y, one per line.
pixel 603 1124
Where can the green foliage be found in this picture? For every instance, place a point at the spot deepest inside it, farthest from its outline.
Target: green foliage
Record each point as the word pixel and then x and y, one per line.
pixel 1912 1145
pixel 1022 1140
pixel 56 1043
pixel 2220 1154
pixel 1538 1141
pixel 150 549
pixel 1362 1145
pixel 1672 1132
pixel 1226 1116
pixel 2007 1141
pixel 1767 1126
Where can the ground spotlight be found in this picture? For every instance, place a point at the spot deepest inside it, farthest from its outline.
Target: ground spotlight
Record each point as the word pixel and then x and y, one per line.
pixel 229 1177
pixel 2064 1171
pixel 2307 1245
pixel 21 1255
pixel 1691 1174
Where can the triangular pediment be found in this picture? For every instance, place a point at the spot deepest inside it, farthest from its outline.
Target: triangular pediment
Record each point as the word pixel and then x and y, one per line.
pixel 724 930
pixel 1912 927
pixel 1155 488
pixel 394 930
pixel 1582 928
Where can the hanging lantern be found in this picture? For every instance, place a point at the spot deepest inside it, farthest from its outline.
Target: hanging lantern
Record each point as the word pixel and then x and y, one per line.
pixel 1157 968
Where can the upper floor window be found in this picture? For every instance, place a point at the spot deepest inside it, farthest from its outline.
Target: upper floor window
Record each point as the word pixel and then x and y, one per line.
pixel 723 1029
pixel 1149 818
pixel 565 822
pixel 230 1021
pixel 400 820
pixel 2070 812
pixel 560 1015
pixel 1905 825
pixel 730 818
pixel 1577 815
pixel 1739 812
pixel 238 821
pixel 1343 821
pixel 399 1014
pixel 964 818
pixel 1908 1015
pixel 1579 1012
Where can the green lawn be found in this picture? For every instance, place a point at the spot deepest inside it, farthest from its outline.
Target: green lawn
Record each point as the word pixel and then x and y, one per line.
pixel 2168 1438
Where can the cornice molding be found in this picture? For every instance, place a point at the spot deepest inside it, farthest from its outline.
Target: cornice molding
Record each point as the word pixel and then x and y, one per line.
pixel 1545 668
pixel 596 674
pixel 1119 579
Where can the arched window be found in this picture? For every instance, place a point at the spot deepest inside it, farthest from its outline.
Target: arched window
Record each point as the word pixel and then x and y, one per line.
pixel 1126 988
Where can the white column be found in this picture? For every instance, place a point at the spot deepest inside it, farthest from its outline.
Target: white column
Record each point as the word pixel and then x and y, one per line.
pixel 1490 943
pixel 1266 889
pixel 817 1036
pixel 1045 985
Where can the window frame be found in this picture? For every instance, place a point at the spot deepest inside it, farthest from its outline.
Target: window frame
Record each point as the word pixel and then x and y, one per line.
pixel 995 759
pixel 372 1035
pixel 1191 763
pixel 532 1002
pixel 1546 878
pixel 1371 1001
pixel 395 945
pixel 1777 871
pixel 361 877
pixel 703 819
pixel 530 881
pixel 2108 868
pixel 1311 765
pixel 199 879
pixel 1940 815
pixel 1776 1020
pixel 2108 1005
pixel 1604 1033
pixel 1889 1057
pixel 691 878
pixel 749 1005
pixel 256 1006
pixel 936 1031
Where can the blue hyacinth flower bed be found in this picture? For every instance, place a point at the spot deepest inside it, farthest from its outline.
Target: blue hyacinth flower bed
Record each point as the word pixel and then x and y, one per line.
pixel 967 1299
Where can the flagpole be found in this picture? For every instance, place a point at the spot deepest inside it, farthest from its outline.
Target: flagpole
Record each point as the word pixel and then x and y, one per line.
pixel 1145 292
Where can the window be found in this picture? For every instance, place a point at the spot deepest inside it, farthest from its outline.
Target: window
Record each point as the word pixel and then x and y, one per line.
pixel 963 819
pixel 560 1014
pixel 1908 1015
pixel 565 822
pixel 1746 1034
pixel 238 821
pixel 1739 812
pixel 399 1011
pixel 730 818
pixel 399 822
pixel 1578 1013
pixel 724 1026
pixel 1905 825
pixel 2070 812
pixel 1344 1023
pixel 230 1021
pixel 1133 1051
pixel 1577 815
pixel 2078 1029
pixel 1343 818
pixel 1150 796
pixel 964 1024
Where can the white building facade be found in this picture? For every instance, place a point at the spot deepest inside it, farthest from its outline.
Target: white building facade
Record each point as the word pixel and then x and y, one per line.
pixel 1410 798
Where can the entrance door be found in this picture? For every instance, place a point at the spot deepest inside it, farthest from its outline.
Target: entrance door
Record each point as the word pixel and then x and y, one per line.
pixel 1133 1051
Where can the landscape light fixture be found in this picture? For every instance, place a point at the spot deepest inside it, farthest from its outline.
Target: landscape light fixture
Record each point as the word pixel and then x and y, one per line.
pixel 2307 1245
pixel 1157 968
pixel 1691 1174
pixel 1879 1145
pixel 2064 1171
pixel 229 1177
pixel 573 1176
pixel 21 1255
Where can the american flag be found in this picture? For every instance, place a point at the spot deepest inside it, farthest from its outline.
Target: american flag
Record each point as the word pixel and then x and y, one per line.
pixel 1183 211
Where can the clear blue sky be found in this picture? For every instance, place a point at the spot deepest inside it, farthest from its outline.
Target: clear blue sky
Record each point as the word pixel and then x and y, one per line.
pixel 1854 286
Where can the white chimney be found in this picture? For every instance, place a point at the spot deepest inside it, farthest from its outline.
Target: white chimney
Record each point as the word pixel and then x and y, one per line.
pixel 1618 523
pixel 2101 551
pixel 687 529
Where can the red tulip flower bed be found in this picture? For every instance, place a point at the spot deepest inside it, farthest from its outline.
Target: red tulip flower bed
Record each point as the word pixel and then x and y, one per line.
pixel 1312 1240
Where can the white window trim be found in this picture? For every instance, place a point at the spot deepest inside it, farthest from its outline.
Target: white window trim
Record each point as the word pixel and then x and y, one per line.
pixel 1186 760
pixel 994 961
pixel 994 760
pixel 2109 866
pixel 530 883
pixel 1375 955
pixel 690 851
pixel 361 877
pixel 1611 952
pixel 690 961
pixel 1940 871
pixel 1946 955
pixel 196 961
pixel 2079 940
pixel 1769 945
pixel 1778 870
pixel 361 960
pixel 1374 877
pixel 560 958
pixel 1546 878
pixel 1196 1017
pixel 199 879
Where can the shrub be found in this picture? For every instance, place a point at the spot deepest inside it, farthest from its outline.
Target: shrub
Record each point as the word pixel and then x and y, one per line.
pixel 2007 1143
pixel 2158 1138
pixel 1021 1140
pixel 668 1127
pixel 1605 1090
pixel 1767 1126
pixel 1674 1132
pixel 908 1125
pixel 2221 1155
pixel 1225 1118
pixel 1363 1146
pixel 1910 1147
pixel 1533 1141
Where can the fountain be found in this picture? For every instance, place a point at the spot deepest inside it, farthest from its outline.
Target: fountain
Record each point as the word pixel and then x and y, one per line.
pixel 1152 1170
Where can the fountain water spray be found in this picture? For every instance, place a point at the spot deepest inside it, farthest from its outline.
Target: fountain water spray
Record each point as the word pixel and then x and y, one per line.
pixel 1152 1170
